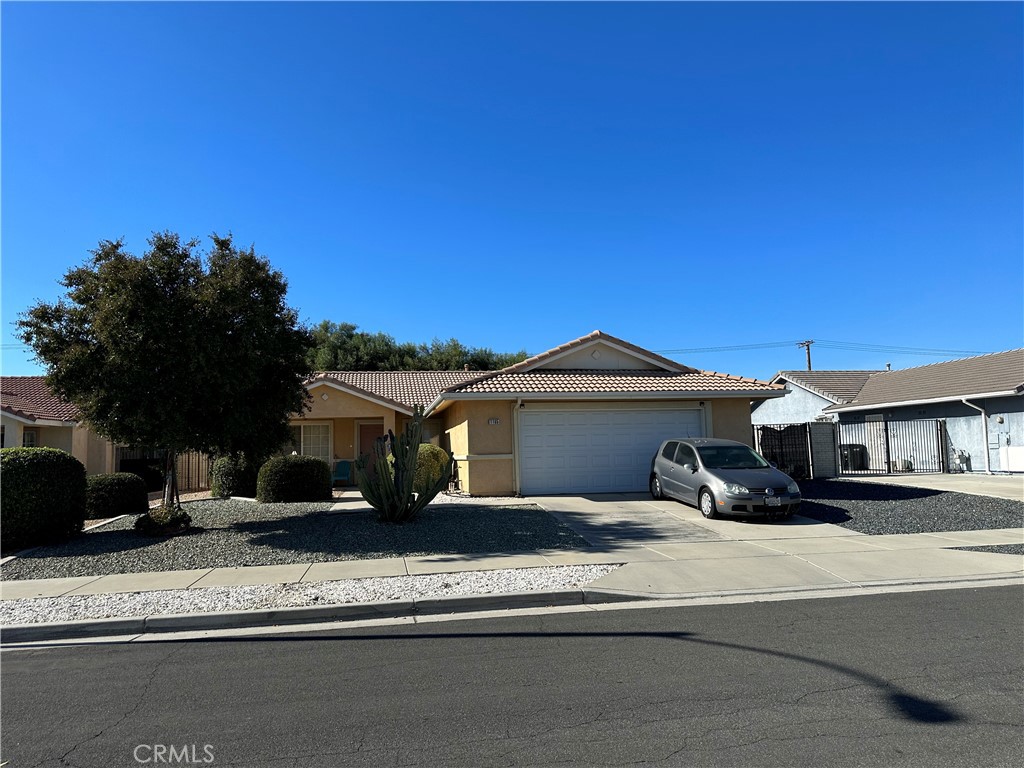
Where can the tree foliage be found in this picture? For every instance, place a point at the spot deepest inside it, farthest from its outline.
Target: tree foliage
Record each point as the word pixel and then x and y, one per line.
pixel 170 350
pixel 342 347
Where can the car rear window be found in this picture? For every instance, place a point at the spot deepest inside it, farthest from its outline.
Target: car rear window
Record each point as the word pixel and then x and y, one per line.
pixel 669 450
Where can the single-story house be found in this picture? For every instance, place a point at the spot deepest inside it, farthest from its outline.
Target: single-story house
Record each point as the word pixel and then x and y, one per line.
pixel 809 394
pixel 32 416
pixel 979 399
pixel 583 417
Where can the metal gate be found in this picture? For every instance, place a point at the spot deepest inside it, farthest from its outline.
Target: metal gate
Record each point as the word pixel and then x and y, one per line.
pixel 787 446
pixel 885 447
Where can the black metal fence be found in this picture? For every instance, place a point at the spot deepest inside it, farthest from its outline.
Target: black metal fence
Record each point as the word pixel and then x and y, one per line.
pixel 787 446
pixel 148 463
pixel 884 447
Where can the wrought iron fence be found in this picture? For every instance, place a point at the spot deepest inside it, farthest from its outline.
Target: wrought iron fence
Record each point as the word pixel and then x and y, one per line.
pixel 787 446
pixel 884 447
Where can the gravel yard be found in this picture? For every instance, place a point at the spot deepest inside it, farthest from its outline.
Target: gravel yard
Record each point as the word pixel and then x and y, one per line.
pixel 240 533
pixel 217 599
pixel 875 508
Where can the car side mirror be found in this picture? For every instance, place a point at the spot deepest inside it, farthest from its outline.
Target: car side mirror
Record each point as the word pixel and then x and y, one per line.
pixel 689 467
pixel 773 465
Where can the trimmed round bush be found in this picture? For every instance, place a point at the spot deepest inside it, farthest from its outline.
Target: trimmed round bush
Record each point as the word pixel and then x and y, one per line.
pixel 293 478
pixel 43 496
pixel 118 493
pixel 164 521
pixel 430 463
pixel 233 476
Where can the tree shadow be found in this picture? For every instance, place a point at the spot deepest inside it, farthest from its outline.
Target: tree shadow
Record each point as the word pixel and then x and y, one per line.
pixel 848 490
pixel 478 533
pixel 599 530
pixel 900 702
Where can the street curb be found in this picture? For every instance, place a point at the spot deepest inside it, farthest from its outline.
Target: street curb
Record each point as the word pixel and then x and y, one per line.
pixel 190 622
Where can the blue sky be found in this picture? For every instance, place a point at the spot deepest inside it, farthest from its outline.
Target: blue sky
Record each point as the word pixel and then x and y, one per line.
pixel 681 175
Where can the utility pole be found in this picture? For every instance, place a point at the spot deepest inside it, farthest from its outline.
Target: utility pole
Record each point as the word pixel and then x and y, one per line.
pixel 807 345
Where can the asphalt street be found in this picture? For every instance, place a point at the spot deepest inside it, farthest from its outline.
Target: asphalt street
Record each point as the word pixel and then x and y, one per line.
pixel 915 679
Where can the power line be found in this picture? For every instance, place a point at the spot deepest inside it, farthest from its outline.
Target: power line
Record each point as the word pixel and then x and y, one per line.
pixel 849 346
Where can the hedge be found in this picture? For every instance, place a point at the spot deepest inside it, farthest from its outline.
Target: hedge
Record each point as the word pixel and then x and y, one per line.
pixel 43 496
pixel 119 493
pixel 293 478
pixel 233 476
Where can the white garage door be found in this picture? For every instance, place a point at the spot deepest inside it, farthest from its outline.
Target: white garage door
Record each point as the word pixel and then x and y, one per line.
pixel 595 451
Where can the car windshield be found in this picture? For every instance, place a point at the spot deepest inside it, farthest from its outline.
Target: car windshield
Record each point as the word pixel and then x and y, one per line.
pixel 730 457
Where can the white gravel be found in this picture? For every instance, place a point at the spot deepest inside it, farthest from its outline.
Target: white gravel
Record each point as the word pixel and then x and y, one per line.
pixel 217 599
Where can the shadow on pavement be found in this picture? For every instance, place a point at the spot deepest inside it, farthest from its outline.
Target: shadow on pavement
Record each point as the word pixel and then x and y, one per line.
pixel 900 702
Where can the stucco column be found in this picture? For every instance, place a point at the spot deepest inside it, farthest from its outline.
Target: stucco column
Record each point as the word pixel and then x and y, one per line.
pixel 389 421
pixel 80 445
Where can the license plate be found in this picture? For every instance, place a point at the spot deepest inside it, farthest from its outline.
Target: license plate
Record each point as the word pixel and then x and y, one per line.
pixel 772 501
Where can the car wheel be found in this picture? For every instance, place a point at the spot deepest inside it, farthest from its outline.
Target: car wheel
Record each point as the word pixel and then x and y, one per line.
pixel 656 488
pixel 706 503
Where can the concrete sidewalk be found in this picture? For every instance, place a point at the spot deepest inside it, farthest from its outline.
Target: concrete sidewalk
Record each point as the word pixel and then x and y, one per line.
pixel 667 550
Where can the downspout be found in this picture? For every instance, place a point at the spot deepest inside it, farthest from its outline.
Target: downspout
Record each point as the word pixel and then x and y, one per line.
pixel 515 446
pixel 984 433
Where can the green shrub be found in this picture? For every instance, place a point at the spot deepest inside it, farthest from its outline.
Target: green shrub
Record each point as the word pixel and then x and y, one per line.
pixel 43 496
pixel 293 478
pixel 430 463
pixel 163 521
pixel 233 476
pixel 120 493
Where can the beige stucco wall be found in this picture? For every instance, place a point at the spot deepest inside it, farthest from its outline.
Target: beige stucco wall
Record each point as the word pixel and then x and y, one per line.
pixel 730 420
pixel 58 437
pixel 342 405
pixel 94 452
pixel 12 431
pixel 483 450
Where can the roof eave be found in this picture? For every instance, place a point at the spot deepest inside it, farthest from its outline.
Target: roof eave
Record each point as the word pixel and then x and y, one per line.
pixel 928 401
pixel 683 395
pixel 363 394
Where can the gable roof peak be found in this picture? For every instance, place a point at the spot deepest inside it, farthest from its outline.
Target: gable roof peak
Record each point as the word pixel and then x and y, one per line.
pixel 590 339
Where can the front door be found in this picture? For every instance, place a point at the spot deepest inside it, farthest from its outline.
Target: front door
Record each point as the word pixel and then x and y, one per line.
pixel 367 434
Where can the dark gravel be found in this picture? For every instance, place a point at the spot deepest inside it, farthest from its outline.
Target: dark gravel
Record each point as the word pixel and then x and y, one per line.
pixel 237 533
pixel 999 549
pixel 875 508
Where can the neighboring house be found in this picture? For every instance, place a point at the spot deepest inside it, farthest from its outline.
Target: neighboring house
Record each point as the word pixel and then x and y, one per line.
pixel 32 416
pixel 808 394
pixel 979 399
pixel 586 416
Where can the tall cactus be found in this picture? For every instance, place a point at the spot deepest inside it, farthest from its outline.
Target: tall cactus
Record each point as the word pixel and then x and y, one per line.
pixel 388 484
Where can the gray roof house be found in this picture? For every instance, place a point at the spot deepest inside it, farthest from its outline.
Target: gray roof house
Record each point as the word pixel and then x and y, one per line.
pixel 809 393
pixel 980 399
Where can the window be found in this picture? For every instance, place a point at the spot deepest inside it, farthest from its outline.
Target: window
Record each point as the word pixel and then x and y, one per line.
pixel 311 440
pixel 686 455
pixel 30 438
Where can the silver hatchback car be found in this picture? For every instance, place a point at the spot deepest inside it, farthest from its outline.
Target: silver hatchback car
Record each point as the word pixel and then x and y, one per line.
pixel 722 477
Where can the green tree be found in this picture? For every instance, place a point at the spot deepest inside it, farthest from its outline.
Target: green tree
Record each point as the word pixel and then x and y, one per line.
pixel 342 347
pixel 169 350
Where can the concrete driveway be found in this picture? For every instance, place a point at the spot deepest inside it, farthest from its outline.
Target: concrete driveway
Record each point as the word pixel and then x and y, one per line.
pixel 687 555
pixel 635 519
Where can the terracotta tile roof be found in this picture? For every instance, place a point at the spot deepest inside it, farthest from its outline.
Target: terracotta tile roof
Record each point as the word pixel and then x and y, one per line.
pixel 30 398
pixel 595 336
pixel 404 389
pixel 560 382
pixel 1000 372
pixel 837 386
